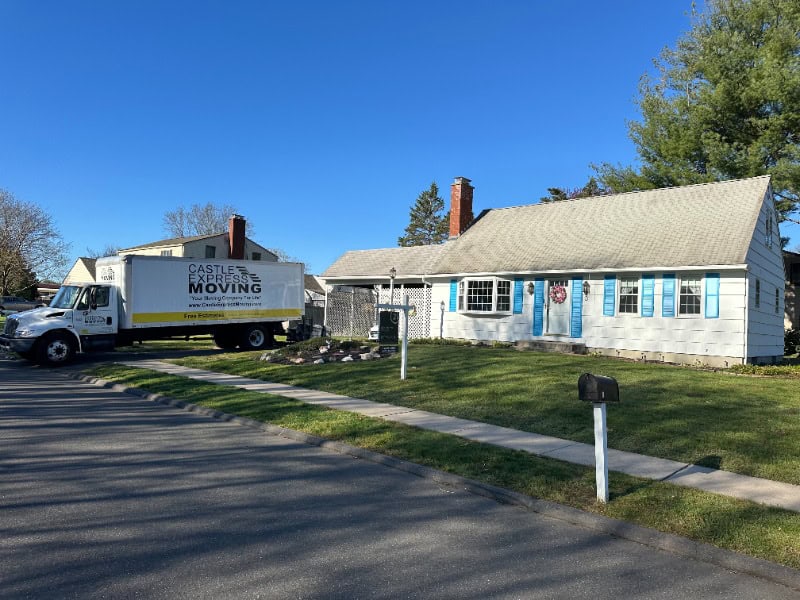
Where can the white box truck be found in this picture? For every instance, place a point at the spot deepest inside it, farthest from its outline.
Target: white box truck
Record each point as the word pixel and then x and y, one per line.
pixel 135 298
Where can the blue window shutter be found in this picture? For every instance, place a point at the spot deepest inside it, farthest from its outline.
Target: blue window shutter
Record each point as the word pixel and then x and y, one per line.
pixel 517 296
pixel 538 307
pixel 453 294
pixel 609 295
pixel 576 318
pixel 712 295
pixel 668 295
pixel 648 295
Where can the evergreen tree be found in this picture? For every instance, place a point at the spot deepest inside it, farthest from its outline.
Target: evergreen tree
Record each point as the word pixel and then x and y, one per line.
pixel 592 188
pixel 725 104
pixel 427 224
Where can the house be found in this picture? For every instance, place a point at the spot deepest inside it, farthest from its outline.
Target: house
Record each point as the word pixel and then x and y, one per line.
pixel 690 274
pixel 230 244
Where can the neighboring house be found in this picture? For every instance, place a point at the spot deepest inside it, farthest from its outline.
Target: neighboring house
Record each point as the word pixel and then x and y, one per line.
pixel 230 244
pixel 690 274
pixel 83 271
pixel 218 245
pixel 791 261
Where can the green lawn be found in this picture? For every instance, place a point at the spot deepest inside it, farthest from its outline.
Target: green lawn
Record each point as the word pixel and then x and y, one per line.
pixel 745 424
pixel 745 527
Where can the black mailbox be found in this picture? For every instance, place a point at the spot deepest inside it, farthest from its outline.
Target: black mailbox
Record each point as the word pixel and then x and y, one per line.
pixel 597 388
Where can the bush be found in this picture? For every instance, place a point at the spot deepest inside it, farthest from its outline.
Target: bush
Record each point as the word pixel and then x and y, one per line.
pixel 791 340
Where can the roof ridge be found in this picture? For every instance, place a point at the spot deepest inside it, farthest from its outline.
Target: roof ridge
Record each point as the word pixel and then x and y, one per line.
pixel 661 189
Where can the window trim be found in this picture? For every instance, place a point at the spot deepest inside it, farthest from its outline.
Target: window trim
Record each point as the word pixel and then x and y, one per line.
pixel 638 280
pixel 462 296
pixel 679 279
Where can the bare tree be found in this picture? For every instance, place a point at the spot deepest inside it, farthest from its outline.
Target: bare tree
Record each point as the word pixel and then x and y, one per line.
pixel 206 219
pixel 29 243
pixel 107 250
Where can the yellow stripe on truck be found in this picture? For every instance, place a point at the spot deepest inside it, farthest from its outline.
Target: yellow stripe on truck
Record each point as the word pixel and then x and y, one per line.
pixel 216 315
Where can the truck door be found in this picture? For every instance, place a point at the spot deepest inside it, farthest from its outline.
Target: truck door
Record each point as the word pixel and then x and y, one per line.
pixel 96 311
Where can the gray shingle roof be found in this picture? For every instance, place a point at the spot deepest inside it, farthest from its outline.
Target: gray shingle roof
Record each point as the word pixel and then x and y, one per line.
pixel 410 261
pixel 705 224
pixel 174 241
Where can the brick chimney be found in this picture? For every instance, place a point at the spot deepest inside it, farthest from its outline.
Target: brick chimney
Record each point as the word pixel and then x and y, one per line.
pixel 236 237
pixel 460 206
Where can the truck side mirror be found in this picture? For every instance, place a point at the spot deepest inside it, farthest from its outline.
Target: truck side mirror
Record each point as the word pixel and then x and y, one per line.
pixel 597 388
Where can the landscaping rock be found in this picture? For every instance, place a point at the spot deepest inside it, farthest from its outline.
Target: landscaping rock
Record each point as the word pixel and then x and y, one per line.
pixel 298 361
pixel 365 356
pixel 323 349
pixel 347 359
pixel 319 361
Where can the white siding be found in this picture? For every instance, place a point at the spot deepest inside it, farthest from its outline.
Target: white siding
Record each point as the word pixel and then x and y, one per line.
pixel 765 324
pixel 691 335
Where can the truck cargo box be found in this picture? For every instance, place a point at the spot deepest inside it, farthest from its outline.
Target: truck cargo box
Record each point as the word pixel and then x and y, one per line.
pixel 161 291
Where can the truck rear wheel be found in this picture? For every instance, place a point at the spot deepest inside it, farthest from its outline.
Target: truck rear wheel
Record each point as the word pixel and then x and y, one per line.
pixel 256 337
pixel 55 349
pixel 226 339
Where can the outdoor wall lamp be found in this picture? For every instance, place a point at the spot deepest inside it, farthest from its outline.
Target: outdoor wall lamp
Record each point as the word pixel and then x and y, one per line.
pixel 586 288
pixel 530 288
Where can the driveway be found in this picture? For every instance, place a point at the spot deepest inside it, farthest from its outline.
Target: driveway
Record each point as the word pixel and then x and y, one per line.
pixel 104 495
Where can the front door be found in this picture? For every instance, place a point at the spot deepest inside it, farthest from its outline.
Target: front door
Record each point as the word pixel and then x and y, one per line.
pixel 558 311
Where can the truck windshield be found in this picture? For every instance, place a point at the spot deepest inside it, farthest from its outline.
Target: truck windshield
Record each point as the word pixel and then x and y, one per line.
pixel 66 296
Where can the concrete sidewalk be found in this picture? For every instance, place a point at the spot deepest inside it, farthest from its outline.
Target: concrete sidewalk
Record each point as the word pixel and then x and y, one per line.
pixel 763 491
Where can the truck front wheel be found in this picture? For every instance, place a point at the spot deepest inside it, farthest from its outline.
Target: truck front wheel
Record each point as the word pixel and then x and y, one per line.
pixel 56 349
pixel 256 337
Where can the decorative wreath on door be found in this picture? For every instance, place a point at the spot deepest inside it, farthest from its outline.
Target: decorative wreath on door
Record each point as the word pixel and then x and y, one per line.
pixel 558 294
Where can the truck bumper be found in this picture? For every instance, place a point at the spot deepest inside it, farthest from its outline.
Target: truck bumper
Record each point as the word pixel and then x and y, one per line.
pixel 17 344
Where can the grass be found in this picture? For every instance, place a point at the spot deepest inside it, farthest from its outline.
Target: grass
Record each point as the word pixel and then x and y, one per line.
pixel 745 527
pixel 749 425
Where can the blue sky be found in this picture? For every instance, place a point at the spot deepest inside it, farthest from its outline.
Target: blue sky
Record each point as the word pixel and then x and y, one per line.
pixel 320 122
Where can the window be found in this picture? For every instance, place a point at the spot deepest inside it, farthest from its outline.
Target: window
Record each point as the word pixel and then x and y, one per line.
pixel 628 295
pixel 758 293
pixel 503 296
pixel 484 295
pixel 166 253
pixel 101 296
pixel 211 251
pixel 689 297
pixel 777 301
pixel 256 256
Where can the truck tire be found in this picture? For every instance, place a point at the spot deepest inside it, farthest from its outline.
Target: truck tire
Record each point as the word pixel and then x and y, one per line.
pixel 55 349
pixel 256 337
pixel 227 338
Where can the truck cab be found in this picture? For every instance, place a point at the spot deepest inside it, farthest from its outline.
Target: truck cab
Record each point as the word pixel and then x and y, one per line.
pixel 79 318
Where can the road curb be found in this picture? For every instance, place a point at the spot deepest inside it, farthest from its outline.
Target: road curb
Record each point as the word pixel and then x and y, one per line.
pixel 674 544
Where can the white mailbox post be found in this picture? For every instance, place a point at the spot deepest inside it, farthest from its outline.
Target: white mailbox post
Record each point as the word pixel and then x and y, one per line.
pixel 598 390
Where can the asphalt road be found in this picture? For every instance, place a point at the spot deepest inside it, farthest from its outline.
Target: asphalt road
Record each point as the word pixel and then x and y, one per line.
pixel 104 495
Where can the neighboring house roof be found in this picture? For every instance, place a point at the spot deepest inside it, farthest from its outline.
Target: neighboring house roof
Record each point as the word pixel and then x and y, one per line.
pixel 312 285
pixel 412 261
pixel 183 241
pixel 179 241
pixel 696 225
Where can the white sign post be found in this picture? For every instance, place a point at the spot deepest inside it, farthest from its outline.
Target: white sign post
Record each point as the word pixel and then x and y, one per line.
pixel 405 307
pixel 601 450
